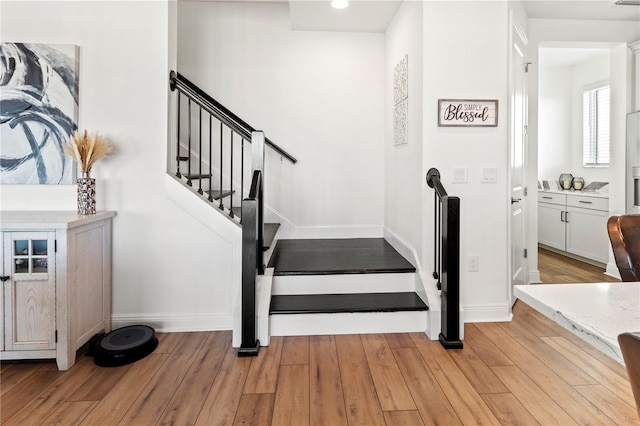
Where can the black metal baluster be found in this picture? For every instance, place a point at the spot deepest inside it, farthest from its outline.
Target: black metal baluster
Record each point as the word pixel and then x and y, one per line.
pixel 440 224
pixel 231 178
pixel 436 265
pixel 210 159
pixel 241 176
pixel 200 151
pixel 178 174
pixel 189 150
pixel 221 137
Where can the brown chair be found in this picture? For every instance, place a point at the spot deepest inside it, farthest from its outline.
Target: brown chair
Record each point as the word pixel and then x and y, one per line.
pixel 624 233
pixel 630 346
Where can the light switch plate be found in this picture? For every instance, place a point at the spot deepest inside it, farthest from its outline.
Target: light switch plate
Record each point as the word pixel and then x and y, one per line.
pixel 460 175
pixel 489 174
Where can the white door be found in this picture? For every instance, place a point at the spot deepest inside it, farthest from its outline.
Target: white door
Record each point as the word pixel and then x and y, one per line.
pixel 518 142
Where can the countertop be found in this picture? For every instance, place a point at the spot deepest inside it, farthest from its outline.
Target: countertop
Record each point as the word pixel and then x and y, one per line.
pixel 597 312
pixel 574 192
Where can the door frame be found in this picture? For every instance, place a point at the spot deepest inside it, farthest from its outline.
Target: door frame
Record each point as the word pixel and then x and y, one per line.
pixel 516 31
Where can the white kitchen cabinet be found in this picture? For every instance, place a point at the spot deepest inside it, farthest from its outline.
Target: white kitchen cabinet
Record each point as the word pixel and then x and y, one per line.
pixel 56 283
pixel 551 229
pixel 575 223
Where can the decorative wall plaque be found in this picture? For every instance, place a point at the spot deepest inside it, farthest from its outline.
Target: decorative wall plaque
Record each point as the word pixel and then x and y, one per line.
pixel 467 113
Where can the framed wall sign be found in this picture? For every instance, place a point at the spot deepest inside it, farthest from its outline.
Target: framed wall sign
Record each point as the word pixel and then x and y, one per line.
pixel 467 112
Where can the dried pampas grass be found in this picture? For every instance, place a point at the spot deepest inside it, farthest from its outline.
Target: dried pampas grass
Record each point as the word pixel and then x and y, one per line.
pixel 88 148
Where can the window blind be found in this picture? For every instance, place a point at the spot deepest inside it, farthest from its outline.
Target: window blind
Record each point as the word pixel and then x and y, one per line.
pixel 595 126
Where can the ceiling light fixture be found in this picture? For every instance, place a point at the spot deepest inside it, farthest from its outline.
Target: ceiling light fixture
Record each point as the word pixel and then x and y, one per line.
pixel 628 2
pixel 339 4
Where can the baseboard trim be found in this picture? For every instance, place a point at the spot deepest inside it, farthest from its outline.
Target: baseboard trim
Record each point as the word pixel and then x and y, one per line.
pixel 488 313
pixel 534 277
pixel 175 323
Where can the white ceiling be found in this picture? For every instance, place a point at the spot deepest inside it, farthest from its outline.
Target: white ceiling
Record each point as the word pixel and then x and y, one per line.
pixel 581 9
pixel 375 15
pixel 569 56
pixel 360 16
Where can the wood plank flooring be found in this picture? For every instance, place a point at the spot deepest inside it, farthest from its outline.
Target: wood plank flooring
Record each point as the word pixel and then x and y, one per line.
pixel 528 371
pixel 558 269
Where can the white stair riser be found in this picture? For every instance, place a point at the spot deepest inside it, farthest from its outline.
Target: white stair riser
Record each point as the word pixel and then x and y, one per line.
pixel 343 283
pixel 347 323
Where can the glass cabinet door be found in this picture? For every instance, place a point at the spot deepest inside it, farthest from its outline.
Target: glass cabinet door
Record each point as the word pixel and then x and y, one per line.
pixel 30 256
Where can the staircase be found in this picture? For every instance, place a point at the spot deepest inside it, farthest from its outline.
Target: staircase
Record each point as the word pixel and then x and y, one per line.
pixel 310 287
pixel 343 286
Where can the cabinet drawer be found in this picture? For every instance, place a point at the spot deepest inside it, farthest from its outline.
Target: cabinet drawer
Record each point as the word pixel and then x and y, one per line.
pixel 552 198
pixel 593 203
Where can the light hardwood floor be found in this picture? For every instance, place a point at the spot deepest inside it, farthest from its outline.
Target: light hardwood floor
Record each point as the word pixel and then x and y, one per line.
pixel 528 371
pixel 558 269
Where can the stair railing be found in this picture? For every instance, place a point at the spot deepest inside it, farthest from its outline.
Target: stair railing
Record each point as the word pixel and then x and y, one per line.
pixel 447 260
pixel 252 253
pixel 197 144
pixel 251 212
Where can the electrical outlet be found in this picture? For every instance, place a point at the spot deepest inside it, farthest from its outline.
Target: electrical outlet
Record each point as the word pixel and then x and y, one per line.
pixel 474 263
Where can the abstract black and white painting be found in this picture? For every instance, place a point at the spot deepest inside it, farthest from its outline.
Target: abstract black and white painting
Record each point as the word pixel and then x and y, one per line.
pixel 38 112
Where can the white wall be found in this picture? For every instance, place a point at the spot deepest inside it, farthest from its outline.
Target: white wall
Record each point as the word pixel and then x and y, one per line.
pixel 319 95
pixel 560 118
pixel 403 163
pixel 554 123
pixel 585 74
pixel 169 270
pixel 466 57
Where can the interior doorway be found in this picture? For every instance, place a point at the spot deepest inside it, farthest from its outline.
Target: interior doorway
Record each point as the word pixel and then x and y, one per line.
pixel 566 72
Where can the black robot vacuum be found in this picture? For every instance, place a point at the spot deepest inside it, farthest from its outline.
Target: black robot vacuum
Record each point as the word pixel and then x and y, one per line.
pixel 123 345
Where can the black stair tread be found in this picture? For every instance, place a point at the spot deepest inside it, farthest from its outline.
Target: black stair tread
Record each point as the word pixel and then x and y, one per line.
pixel 198 176
pixel 346 303
pixel 337 256
pixel 215 193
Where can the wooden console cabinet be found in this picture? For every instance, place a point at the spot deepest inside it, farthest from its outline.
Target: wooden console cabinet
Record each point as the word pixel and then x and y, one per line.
pixel 56 283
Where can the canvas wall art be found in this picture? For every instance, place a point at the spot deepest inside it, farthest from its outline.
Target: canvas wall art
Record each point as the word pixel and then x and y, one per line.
pixel 38 112
pixel 401 102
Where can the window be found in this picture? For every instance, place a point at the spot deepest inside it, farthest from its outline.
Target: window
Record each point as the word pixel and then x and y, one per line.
pixel 595 126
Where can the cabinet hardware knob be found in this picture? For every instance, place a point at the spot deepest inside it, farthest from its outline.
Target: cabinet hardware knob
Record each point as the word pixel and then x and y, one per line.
pixel 4 278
